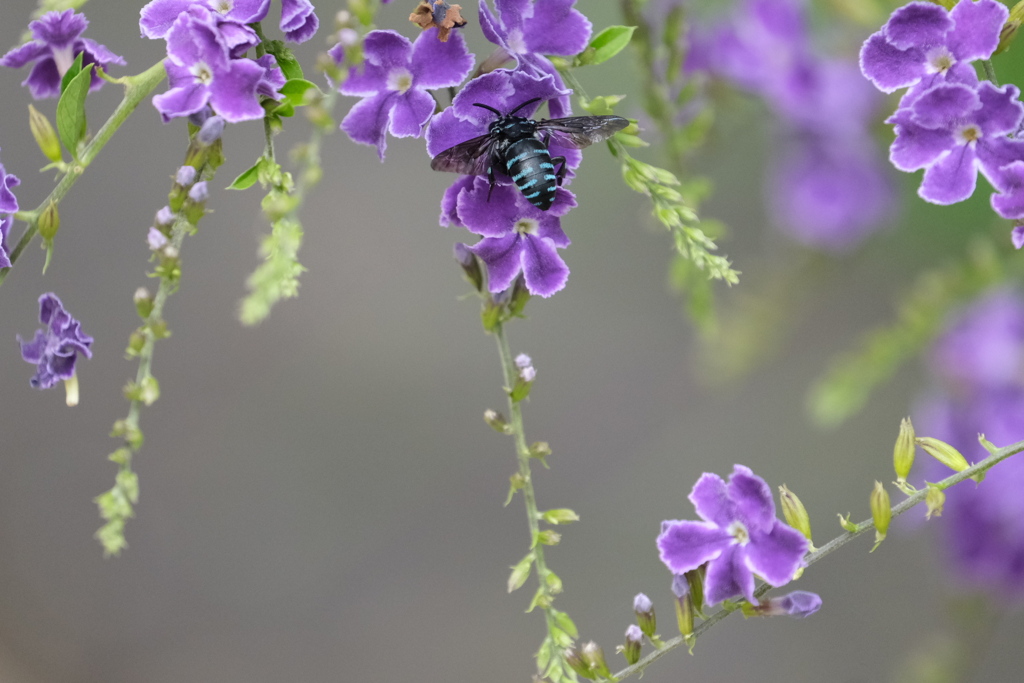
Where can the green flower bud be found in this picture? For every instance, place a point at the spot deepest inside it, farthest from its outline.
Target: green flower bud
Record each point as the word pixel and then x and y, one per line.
pixel 944 453
pixel 593 657
pixel 795 512
pixel 540 450
pixel 903 451
pixel 49 222
pixel 549 537
pixel 572 657
pixel 1009 30
pixel 44 134
pixel 143 302
pixel 934 499
pixel 881 512
pixel 643 608
pixel 497 421
pixel 634 640
pixel 560 516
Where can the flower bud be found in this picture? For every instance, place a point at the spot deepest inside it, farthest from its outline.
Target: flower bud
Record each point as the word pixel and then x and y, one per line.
pixel 645 618
pixel 944 453
pixel 695 584
pixel 49 222
pixel 156 239
pixel 798 604
pixel 496 421
pixel 143 302
pixel 795 512
pixel 185 176
pixel 549 537
pixel 165 217
pixel 903 451
pixel 136 341
pixel 540 450
pixel 572 657
pixel 934 499
pixel 881 512
pixel 200 192
pixel 42 131
pixel 71 391
pixel 593 657
pixel 634 640
pixel 210 131
pixel 470 266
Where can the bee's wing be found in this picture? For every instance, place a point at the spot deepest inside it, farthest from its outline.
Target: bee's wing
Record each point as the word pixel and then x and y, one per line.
pixel 578 132
pixel 468 158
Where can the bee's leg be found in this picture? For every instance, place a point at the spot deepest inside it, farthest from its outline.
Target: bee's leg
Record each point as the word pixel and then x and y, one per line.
pixel 490 181
pixel 561 170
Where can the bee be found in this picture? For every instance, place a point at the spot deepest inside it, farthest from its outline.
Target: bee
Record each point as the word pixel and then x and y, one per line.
pixel 517 147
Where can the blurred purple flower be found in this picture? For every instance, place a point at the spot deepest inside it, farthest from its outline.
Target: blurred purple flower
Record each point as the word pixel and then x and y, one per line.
pixel 394 80
pixel 739 537
pixel 953 131
pixel 1017 237
pixel 923 45
pixel 55 349
pixel 978 365
pixel 8 181
pixel 57 43
pixel 298 19
pixel 5 228
pixel 200 71
pixel 518 237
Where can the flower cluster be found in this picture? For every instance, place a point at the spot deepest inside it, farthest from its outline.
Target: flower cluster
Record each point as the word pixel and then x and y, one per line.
pixel 206 45
pixel 54 350
pixel 827 184
pixel 57 42
pixel 948 122
pixel 739 537
pixel 8 206
pixel 978 368
pixel 517 238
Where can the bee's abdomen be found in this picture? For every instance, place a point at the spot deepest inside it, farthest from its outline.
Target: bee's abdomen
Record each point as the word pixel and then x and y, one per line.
pixel 528 162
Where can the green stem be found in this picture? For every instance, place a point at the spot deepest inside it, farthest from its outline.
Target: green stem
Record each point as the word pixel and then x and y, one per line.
pixel 135 89
pixel 508 369
pixel 825 550
pixel 990 71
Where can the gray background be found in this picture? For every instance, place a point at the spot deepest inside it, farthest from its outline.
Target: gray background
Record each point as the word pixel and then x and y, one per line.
pixel 320 498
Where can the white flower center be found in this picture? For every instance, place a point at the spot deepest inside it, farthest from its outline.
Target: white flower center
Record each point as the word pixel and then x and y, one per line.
pixel 739 533
pixel 223 6
pixel 516 43
pixel 965 135
pixel 939 60
pixel 64 58
pixel 202 73
pixel 400 79
pixel 527 226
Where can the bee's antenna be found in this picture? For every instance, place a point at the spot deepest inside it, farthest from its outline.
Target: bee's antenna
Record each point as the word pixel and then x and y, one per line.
pixel 524 104
pixel 488 108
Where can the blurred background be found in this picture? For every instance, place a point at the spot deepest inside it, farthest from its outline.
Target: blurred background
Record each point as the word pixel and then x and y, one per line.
pixel 320 498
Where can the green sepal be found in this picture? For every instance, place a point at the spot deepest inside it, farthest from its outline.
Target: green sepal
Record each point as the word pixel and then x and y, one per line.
pixel 246 178
pixel 290 67
pixel 520 391
pixel 540 599
pixel 985 443
pixel 602 105
pixel 847 524
pixel 515 483
pixel 560 516
pixel 71 73
pixel 606 44
pixel 490 316
pixel 566 623
pixel 554 583
pixel 71 122
pixel 121 456
pixel 520 573
pixel 44 134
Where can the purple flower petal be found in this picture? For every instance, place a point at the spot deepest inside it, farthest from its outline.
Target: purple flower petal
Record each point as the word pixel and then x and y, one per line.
pixel 918 24
pixel 491 213
pixel 710 497
pixel 776 556
pixel 157 17
pixel 952 178
pixel 409 112
pixel 729 577
pixel 449 202
pixel 1000 111
pixel 753 499
pixel 367 121
pixel 888 67
pixel 503 256
pixel 555 28
pixel 298 20
pixel 5 229
pixel 1017 236
pixel 978 24
pixel 685 545
pixel 544 271
pixel 439 65
pixel 184 97
pixel 916 147
pixel 944 104
pixel 23 54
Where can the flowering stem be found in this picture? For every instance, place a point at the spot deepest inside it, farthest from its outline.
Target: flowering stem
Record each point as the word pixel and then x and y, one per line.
pixel 996 457
pixel 545 594
pixel 135 89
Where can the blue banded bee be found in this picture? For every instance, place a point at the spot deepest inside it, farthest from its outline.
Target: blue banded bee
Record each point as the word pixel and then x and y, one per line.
pixel 517 147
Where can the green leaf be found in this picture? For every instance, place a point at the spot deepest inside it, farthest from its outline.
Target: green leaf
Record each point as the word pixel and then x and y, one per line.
pixel 610 42
pixel 69 75
pixel 71 123
pixel 246 178
pixel 295 89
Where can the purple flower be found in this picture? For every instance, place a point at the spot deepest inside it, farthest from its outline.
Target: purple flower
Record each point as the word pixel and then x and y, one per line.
pixel 739 537
pixel 393 83
pixel 298 20
pixel 503 90
pixel 953 131
pixel 978 365
pixel 526 30
pixel 200 71
pixel 798 604
pixel 518 237
pixel 55 349
pixel 1017 237
pixel 8 181
pixel 828 192
pixel 5 227
pixel 57 43
pixel 923 45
